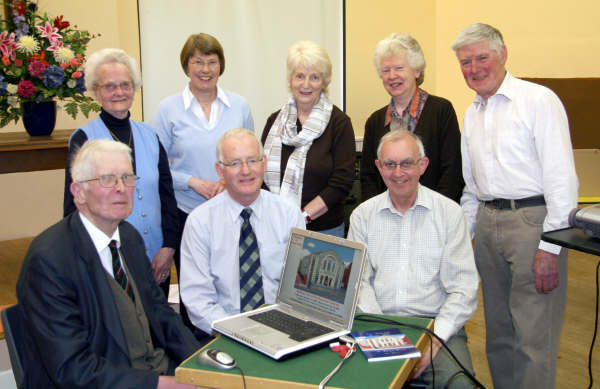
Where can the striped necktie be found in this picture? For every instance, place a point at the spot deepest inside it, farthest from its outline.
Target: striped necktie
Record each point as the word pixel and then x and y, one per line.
pixel 251 286
pixel 118 272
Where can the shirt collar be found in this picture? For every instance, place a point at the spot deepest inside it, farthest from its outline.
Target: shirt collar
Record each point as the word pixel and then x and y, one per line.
pixel 234 208
pixel 188 97
pixel 413 104
pixel 99 238
pixel 506 89
pixel 423 200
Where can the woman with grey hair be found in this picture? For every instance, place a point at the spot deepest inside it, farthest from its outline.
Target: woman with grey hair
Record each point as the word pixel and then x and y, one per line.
pixel 114 77
pixel 400 64
pixel 309 143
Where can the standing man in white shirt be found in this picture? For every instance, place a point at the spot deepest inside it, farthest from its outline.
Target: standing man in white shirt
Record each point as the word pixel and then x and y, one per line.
pixel 222 274
pixel 420 259
pixel 520 181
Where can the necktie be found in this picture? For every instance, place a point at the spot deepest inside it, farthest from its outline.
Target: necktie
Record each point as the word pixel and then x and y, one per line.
pixel 251 287
pixel 118 272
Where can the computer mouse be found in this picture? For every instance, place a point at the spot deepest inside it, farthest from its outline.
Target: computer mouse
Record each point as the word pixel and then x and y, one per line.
pixel 216 358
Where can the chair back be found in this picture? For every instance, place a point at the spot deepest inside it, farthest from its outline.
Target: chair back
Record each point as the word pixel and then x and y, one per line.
pixel 14 332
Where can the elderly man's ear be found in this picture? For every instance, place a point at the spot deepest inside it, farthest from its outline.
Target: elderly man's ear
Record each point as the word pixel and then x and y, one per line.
pixel 78 192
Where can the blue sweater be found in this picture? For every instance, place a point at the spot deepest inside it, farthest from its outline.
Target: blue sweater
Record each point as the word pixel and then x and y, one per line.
pixel 191 148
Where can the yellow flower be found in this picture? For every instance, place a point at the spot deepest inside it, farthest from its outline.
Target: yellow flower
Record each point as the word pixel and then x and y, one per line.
pixel 12 89
pixel 63 55
pixel 28 45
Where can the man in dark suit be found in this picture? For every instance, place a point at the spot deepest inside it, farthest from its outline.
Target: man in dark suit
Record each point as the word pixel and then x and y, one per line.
pixel 95 315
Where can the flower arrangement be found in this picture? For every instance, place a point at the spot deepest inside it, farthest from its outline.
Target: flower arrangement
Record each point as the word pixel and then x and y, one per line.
pixel 41 61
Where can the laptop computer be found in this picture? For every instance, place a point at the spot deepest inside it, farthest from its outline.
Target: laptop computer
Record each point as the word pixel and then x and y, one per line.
pixel 318 289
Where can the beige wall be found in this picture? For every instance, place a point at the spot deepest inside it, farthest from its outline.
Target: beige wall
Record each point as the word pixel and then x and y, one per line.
pixel 544 38
pixel 31 202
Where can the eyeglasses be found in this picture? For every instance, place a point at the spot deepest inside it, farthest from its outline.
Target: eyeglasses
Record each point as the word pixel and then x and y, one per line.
pixel 238 163
pixel 211 63
pixel 405 165
pixel 110 180
pixel 111 87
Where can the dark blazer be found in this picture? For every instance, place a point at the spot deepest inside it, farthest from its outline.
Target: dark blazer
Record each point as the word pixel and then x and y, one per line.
pixel 76 336
pixel 438 129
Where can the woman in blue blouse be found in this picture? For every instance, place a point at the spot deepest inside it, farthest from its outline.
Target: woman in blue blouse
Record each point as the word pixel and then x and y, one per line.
pixel 190 123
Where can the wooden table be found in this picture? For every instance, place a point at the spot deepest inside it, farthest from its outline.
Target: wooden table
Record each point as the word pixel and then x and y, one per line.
pixel 20 152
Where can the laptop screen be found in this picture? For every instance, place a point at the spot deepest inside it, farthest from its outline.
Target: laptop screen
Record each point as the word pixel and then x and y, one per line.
pixel 322 272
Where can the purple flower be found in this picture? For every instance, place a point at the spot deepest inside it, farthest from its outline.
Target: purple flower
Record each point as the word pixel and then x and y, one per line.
pixel 26 89
pixel 54 76
pixel 37 69
pixel 2 86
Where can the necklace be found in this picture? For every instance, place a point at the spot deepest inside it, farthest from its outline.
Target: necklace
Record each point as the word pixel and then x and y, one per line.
pixel 117 139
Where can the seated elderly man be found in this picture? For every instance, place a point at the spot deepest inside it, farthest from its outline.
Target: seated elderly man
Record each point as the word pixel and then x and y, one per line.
pixel 420 260
pixel 234 244
pixel 87 291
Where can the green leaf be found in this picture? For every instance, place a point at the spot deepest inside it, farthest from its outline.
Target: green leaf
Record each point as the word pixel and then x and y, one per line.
pixel 71 109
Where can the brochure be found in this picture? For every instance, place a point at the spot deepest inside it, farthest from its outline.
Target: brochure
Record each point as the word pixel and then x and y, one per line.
pixel 384 345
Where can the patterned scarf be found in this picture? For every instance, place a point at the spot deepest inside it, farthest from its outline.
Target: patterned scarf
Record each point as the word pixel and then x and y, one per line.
pixel 284 131
pixel 410 117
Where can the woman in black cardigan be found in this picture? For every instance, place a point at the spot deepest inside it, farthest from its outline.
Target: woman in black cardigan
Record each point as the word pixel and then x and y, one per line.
pixel 400 64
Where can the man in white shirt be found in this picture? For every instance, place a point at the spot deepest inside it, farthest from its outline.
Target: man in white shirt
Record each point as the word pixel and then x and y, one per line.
pixel 520 181
pixel 420 259
pixel 213 274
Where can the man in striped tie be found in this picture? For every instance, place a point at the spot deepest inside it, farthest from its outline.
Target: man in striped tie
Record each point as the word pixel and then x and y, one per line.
pixel 95 316
pixel 233 245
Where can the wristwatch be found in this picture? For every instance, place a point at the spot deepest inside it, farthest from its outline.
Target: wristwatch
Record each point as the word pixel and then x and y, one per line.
pixel 306 216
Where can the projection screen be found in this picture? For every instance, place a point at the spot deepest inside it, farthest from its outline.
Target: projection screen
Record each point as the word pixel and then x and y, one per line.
pixel 255 35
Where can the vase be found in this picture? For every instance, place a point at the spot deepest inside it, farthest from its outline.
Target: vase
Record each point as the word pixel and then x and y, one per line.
pixel 39 118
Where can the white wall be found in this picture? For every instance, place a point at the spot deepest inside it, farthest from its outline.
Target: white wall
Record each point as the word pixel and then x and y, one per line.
pixel 255 36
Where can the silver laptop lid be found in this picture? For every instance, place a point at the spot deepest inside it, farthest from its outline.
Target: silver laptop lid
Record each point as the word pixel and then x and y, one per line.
pixel 321 277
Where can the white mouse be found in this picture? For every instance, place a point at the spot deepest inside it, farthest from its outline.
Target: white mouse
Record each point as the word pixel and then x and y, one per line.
pixel 216 358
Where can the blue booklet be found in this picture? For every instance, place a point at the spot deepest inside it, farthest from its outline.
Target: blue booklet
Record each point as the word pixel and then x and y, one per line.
pixel 384 345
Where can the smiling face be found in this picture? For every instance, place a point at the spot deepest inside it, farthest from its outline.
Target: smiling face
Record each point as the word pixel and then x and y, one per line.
pixel 399 79
pixel 105 207
pixel 482 67
pixel 402 183
pixel 243 183
pixel 203 71
pixel 115 89
pixel 306 85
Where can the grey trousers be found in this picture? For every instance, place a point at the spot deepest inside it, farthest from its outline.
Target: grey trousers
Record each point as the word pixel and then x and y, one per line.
pixel 445 368
pixel 522 326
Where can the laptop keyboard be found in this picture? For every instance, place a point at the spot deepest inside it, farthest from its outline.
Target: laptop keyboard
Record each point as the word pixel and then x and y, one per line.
pixel 299 330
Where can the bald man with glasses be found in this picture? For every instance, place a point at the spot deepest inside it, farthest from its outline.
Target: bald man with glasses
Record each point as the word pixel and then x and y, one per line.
pixel 234 244
pixel 420 260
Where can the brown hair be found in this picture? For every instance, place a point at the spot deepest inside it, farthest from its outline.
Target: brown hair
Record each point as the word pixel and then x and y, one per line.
pixel 203 44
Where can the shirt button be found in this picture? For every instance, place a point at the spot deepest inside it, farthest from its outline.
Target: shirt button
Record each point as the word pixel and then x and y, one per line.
pixel 146 232
pixel 140 196
pixel 144 214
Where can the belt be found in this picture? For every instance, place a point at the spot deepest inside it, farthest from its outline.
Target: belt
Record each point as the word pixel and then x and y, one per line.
pixel 516 204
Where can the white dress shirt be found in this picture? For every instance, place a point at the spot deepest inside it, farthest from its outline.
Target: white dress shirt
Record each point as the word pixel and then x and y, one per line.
pixel 518 145
pixel 210 281
pixel 101 241
pixel 418 264
pixel 216 107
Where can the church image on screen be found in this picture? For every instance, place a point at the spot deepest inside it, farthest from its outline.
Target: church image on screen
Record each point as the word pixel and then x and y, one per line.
pixel 324 274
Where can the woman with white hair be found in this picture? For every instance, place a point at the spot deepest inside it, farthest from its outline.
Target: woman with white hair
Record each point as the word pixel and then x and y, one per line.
pixel 309 143
pixel 400 64
pixel 114 77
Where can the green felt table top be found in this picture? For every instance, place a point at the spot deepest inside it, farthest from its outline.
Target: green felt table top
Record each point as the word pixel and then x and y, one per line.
pixel 307 367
